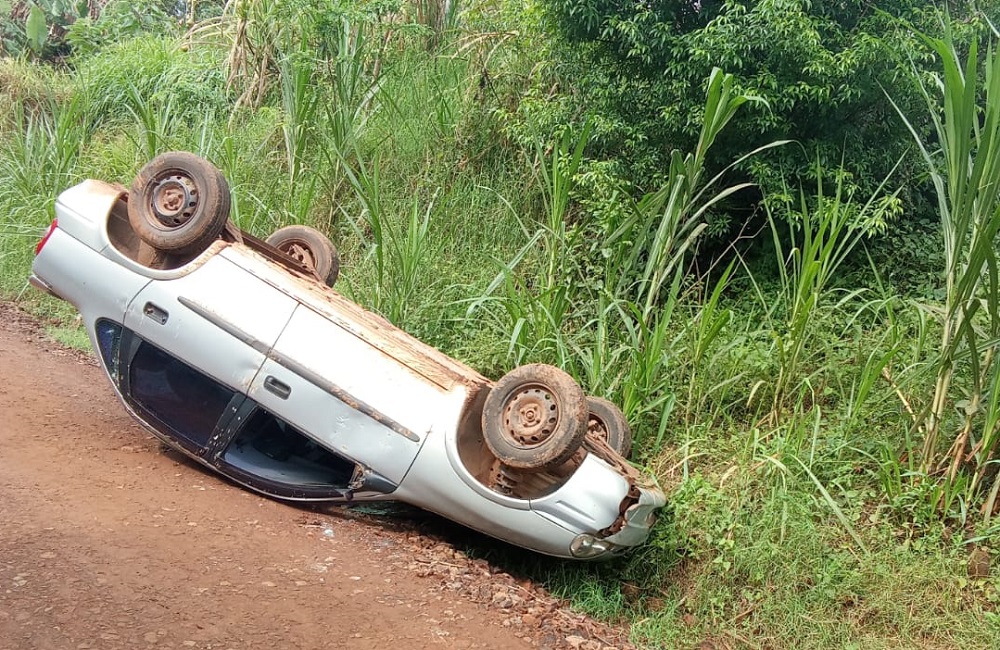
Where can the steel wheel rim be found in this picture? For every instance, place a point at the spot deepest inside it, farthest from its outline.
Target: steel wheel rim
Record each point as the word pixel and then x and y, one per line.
pixel 530 416
pixel 300 252
pixel 598 427
pixel 174 199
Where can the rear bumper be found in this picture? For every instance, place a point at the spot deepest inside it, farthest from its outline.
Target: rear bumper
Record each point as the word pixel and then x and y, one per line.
pixel 42 286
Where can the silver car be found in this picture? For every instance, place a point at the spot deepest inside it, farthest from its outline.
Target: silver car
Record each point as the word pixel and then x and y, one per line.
pixel 237 352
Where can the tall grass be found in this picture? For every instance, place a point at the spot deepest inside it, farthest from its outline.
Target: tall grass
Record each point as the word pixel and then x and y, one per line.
pixel 537 307
pixel 355 74
pixel 823 231
pixel 38 158
pixel 400 251
pixel 300 102
pixel 256 30
pixel 439 17
pixel 155 121
pixel 646 264
pixel 620 331
pixel 965 173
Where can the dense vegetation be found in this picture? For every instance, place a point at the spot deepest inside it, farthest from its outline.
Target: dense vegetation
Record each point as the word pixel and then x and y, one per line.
pixel 557 182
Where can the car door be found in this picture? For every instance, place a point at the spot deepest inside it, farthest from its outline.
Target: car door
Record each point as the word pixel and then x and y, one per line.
pixel 225 429
pixel 219 319
pixel 348 394
pixel 182 404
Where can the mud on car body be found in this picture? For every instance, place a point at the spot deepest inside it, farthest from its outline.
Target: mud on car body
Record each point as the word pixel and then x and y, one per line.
pixel 238 353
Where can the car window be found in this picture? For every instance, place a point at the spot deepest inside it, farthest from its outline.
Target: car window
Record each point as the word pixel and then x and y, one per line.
pixel 185 400
pixel 269 448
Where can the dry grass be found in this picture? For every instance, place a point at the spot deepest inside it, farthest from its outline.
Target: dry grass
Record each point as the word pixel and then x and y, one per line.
pixel 32 86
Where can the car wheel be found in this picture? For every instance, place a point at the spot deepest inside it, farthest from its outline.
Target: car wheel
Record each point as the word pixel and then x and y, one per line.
pixel 179 203
pixel 607 422
pixel 535 417
pixel 309 247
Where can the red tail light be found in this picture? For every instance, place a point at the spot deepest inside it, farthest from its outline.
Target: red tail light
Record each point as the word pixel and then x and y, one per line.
pixel 45 237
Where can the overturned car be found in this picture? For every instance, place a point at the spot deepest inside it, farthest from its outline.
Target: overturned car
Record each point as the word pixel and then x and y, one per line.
pixel 236 352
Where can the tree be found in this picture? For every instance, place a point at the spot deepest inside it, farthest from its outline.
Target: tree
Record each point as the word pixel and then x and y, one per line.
pixel 825 70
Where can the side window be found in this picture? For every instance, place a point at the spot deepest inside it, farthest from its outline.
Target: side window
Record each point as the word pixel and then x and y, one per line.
pixel 180 397
pixel 269 448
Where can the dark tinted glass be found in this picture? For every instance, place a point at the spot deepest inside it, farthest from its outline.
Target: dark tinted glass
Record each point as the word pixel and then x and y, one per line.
pixel 179 396
pixel 108 339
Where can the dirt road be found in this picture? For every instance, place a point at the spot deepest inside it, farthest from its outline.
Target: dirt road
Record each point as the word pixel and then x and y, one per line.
pixel 107 541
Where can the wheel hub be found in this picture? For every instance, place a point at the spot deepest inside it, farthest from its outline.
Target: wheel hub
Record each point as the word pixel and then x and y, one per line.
pixel 300 253
pixel 530 416
pixel 597 428
pixel 174 200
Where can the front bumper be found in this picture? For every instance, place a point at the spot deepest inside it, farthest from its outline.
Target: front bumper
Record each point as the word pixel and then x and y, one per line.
pixel 609 509
pixel 639 518
pixel 632 529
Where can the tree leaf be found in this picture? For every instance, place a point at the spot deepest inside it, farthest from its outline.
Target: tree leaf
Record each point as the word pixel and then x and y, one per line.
pixel 35 29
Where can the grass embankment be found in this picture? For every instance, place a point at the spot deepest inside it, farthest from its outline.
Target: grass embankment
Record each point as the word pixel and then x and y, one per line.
pixel 771 405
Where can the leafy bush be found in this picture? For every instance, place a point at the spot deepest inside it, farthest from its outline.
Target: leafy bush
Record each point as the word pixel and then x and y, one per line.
pixel 120 20
pixel 39 28
pixel 823 69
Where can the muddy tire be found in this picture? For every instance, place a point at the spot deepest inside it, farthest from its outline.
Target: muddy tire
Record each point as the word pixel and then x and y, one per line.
pixel 535 417
pixel 607 422
pixel 309 247
pixel 178 203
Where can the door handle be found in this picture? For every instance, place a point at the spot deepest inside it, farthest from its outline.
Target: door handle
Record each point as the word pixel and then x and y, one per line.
pixel 155 313
pixel 277 387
